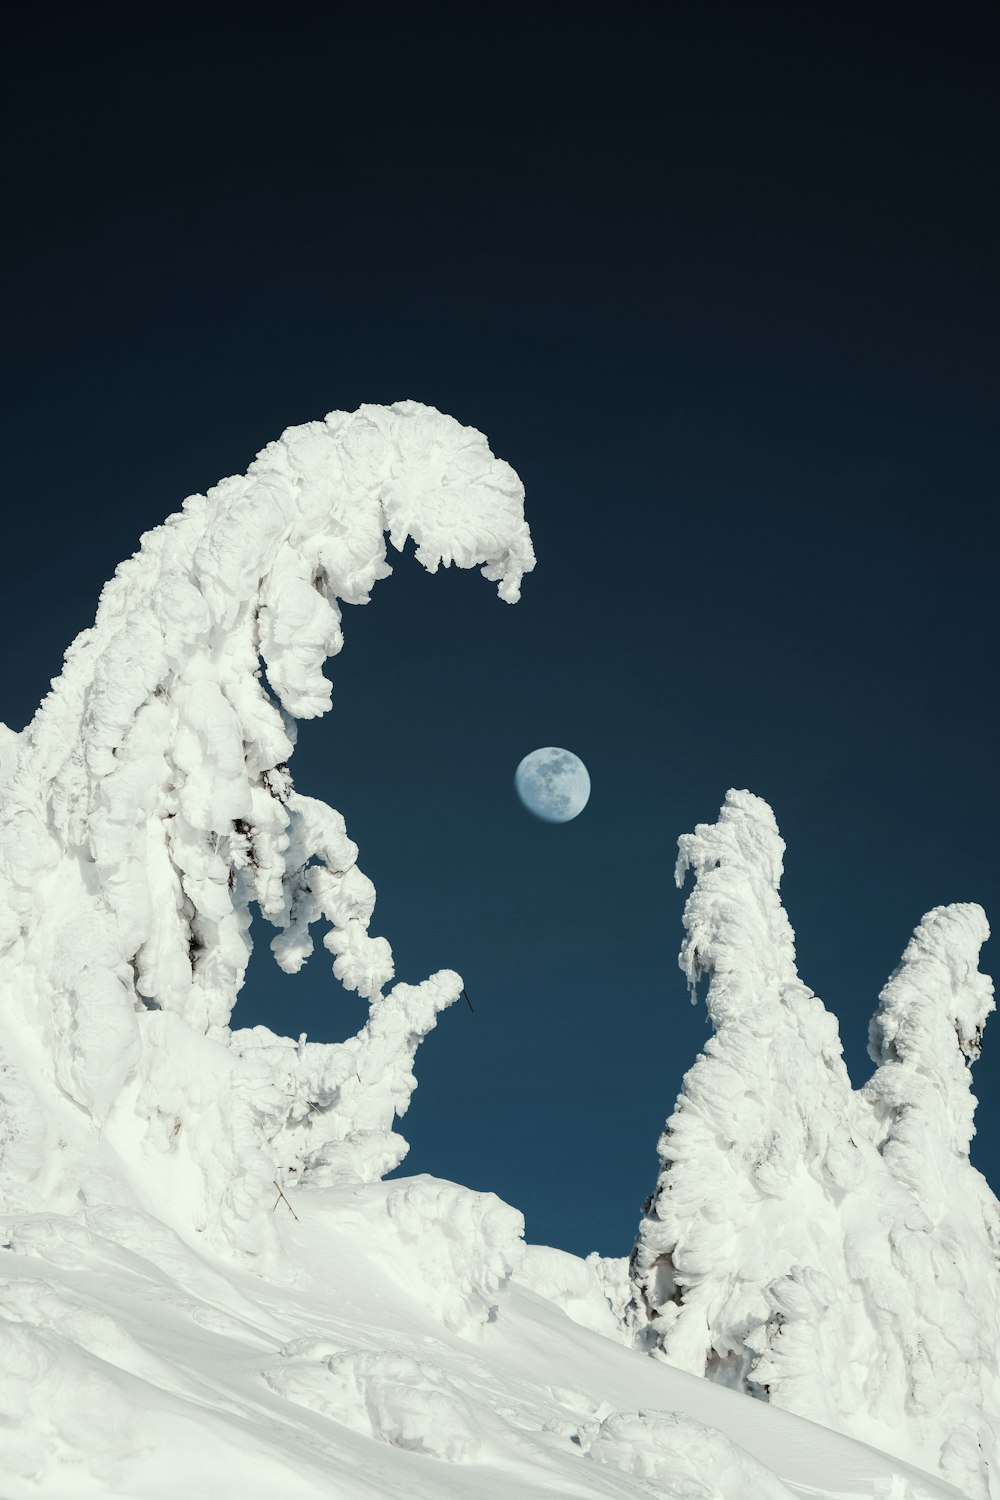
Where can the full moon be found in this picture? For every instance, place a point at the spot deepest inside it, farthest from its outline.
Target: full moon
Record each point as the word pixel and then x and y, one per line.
pixel 553 784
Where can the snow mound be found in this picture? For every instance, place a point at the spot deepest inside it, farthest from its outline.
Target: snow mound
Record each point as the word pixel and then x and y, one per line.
pixel 592 1292
pixel 832 1252
pixel 64 1412
pixel 681 1459
pixel 465 1244
pixel 385 1394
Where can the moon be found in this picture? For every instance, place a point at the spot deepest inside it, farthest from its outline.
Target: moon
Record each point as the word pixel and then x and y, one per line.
pixel 553 784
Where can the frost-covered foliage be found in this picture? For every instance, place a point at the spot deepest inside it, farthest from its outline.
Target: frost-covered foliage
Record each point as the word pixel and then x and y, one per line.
pixel 148 807
pixel 391 1338
pixel 762 1131
pixel 939 1320
pixel 831 1251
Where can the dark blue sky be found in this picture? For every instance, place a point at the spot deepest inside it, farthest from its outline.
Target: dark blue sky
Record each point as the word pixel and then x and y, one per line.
pixel 720 282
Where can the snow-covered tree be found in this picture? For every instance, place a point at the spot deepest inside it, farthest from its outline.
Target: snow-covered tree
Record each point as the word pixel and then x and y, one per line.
pixel 938 1316
pixel 829 1251
pixel 149 806
pixel 760 1142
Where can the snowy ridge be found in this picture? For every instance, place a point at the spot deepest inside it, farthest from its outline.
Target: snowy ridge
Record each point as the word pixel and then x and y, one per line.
pixel 831 1252
pixel 149 804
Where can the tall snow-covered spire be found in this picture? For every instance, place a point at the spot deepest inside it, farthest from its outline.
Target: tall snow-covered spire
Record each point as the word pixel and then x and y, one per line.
pixel 149 803
pixel 942 1298
pixel 760 1136
pixel 831 1252
pixel 736 929
pixel 926 1032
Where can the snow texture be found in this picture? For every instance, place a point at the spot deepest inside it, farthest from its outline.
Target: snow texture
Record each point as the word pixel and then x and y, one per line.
pixel 138 1364
pixel 205 1289
pixel 149 806
pixel 832 1252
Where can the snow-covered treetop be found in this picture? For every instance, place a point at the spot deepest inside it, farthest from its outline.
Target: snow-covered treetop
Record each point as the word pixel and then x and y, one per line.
pixel 737 930
pixel 300 532
pixel 828 1250
pixel 768 1096
pixel 149 804
pixel 928 1027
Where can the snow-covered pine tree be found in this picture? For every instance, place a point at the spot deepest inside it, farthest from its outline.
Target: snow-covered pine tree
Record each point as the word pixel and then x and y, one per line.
pixel 831 1252
pixel 149 805
pixel 936 1305
pixel 760 1144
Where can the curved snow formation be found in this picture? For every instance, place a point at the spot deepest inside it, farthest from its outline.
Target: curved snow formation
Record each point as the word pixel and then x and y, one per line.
pixel 830 1251
pixel 149 805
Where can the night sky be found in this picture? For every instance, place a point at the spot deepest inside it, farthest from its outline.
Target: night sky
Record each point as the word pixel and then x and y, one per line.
pixel 720 282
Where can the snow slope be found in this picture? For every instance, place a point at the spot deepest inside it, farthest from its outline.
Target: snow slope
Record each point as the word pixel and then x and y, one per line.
pixel 204 1287
pixel 135 1364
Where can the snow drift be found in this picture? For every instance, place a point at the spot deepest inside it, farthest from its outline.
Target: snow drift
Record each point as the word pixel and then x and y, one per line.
pixel 135 1364
pixel 831 1252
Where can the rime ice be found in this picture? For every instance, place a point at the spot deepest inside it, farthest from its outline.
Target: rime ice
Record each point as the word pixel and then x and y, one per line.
pixel 831 1252
pixel 149 805
pixel 166 1325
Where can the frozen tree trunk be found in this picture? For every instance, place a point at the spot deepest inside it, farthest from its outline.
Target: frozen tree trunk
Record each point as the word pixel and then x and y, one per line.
pixel 149 806
pixel 829 1251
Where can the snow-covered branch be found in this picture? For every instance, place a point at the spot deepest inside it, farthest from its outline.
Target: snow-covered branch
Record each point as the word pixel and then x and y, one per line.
pixel 148 807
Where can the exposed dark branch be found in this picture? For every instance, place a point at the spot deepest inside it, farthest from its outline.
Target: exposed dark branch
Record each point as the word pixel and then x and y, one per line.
pixel 281 1197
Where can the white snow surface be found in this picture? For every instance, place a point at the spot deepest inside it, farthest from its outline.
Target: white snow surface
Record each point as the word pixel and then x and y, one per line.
pixel 397 1357
pixel 205 1289
pixel 829 1251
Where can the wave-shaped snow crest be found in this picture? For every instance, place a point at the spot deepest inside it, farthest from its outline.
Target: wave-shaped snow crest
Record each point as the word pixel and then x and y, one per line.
pixel 149 806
